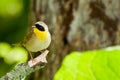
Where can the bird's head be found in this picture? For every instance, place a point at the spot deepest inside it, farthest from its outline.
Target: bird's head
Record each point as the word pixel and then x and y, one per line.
pixel 40 29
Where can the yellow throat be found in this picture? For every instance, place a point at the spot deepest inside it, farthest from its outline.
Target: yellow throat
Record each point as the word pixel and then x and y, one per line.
pixel 42 35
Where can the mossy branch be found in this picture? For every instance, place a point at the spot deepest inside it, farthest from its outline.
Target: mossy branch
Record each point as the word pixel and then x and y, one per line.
pixel 24 69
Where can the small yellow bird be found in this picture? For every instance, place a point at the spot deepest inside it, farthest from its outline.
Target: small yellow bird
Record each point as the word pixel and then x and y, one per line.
pixel 38 38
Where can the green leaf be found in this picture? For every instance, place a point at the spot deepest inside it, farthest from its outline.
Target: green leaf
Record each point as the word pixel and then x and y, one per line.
pixel 91 65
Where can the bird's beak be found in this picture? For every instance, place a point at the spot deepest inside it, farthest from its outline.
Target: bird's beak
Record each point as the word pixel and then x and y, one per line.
pixel 33 26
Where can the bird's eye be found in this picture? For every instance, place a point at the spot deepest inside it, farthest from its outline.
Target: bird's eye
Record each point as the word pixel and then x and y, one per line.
pixel 40 27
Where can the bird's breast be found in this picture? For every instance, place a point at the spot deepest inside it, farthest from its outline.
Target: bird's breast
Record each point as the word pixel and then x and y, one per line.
pixel 38 43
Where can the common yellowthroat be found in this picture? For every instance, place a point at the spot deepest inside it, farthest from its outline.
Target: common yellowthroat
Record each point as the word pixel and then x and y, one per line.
pixel 38 38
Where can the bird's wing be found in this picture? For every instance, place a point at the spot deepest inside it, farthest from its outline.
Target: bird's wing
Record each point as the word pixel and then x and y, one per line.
pixel 27 37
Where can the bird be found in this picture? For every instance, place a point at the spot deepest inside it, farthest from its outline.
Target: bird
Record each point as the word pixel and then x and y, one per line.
pixel 38 38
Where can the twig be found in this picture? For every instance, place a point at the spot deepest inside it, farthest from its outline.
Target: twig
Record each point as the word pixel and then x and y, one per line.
pixel 24 69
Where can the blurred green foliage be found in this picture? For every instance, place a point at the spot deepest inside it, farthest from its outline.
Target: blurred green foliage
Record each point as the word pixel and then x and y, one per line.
pixel 13 55
pixel 13 20
pixel 10 56
pixel 13 27
pixel 91 65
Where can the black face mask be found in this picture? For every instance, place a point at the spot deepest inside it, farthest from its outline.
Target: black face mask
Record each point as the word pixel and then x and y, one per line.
pixel 40 27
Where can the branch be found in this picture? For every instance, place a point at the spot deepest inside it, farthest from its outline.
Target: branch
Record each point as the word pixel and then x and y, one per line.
pixel 24 69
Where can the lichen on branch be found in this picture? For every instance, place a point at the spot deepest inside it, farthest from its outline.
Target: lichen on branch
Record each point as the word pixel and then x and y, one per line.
pixel 24 69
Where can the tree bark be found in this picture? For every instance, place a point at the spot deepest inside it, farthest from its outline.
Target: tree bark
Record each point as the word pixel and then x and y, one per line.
pixel 77 25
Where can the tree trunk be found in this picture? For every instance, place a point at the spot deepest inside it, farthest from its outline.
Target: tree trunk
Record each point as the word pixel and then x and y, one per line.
pixel 77 25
